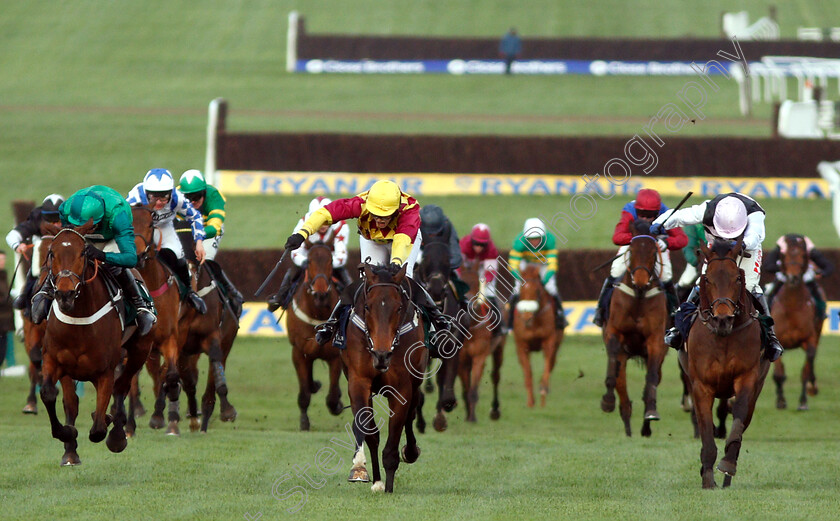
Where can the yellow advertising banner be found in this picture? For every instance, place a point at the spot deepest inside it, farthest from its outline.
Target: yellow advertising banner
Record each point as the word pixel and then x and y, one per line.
pixel 235 182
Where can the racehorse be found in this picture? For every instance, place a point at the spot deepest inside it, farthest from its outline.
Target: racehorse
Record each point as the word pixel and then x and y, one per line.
pixel 723 356
pixel 636 328
pixel 797 321
pixel 164 291
pixel 534 330
pixel 385 355
pixel 311 305
pixel 33 337
pixel 83 341
pixel 433 273
pixel 479 346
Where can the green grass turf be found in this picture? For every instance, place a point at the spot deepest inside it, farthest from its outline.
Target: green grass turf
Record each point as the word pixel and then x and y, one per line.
pixel 566 461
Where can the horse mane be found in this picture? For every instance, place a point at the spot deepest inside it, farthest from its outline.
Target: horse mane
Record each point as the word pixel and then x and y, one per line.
pixel 640 227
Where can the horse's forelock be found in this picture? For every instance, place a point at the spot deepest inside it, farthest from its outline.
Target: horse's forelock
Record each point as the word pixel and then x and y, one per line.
pixel 721 247
pixel 640 227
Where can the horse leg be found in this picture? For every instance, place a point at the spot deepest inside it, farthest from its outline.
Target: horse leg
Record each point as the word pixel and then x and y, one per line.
pixel 133 406
pixel 104 390
pixel 31 406
pixel 208 399
pixel 410 451
pixel 304 385
pixel 685 402
pixel 334 404
pixel 682 359
pixel 372 441
pixel 187 368
pixel 464 369
pixel 359 391
pixel 439 422
pixel 71 412
pixel 227 412
pixel 446 382
pixel 117 440
pixel 722 412
pixel 525 362
pixel 172 385
pixel 625 404
pixel 153 366
pixel 742 410
pixel 390 454
pixel 703 399
pixel 779 378
pixel 421 421
pixel 656 355
pixel 809 379
pixel 475 379
pixel 495 376
pixel 49 393
pixel 549 349
pixel 608 400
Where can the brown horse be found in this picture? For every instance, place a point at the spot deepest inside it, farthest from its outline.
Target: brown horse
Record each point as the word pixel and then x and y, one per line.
pixel 33 336
pixel 797 322
pixel 311 305
pixel 723 356
pixel 636 328
pixel 480 345
pixel 83 341
pixel 385 355
pixel 164 334
pixel 534 330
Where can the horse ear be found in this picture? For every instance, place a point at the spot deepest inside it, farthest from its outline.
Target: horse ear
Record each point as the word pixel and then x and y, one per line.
pixel 368 271
pixel 739 245
pixel 50 228
pixel 400 275
pixel 704 250
pixel 85 228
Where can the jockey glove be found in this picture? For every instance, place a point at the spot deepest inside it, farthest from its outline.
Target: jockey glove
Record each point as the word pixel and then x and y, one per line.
pixel 294 241
pixel 92 252
pixel 657 229
pixel 662 243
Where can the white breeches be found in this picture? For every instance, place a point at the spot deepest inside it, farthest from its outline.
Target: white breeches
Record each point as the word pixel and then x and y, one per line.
pixel 211 246
pixel 380 253
pixel 170 239
pixel 619 265
pixel 551 286
pixel 688 277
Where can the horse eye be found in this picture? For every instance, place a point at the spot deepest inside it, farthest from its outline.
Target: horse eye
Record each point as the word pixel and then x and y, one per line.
pixel 367 308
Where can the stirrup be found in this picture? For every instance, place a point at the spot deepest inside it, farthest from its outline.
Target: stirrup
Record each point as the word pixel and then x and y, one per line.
pixel 324 332
pixel 774 349
pixel 145 320
pixel 673 338
pixel 197 302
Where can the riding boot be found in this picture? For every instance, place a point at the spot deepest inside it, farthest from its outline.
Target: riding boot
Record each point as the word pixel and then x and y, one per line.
pixel 280 299
pixel 183 272
pixel 421 297
pixel 234 296
pixel 25 296
pixel 343 277
pixel 673 337
pixel 601 310
pixel 41 302
pixel 671 297
pixel 774 347
pixel 819 301
pixel 145 311
pixel 324 332
pixel 560 321
pixel 498 326
pixel 514 299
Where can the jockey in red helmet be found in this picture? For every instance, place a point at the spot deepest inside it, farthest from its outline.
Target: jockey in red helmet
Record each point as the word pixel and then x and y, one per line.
pixel 477 247
pixel 647 206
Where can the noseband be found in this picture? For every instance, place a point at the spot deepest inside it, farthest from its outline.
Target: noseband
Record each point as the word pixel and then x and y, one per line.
pixel 359 321
pixel 707 314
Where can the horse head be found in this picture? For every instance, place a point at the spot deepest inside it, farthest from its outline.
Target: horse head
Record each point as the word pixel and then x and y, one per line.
pixel 144 234
pixel 434 271
pixel 68 265
pixel 385 308
pixel 644 253
pixel 319 273
pixel 794 259
pixel 722 286
pixel 532 295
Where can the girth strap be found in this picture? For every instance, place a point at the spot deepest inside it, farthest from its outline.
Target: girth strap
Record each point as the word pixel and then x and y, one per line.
pixel 652 292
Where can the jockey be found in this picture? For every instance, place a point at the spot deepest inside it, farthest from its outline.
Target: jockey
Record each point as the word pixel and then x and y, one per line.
pixel 388 223
pixel 29 231
pixel 535 246
pixel 436 227
pixel 211 203
pixel 340 234
pixel 478 247
pixel 818 266
pixel 695 234
pixel 727 217
pixel 158 191
pixel 111 242
pixel 646 207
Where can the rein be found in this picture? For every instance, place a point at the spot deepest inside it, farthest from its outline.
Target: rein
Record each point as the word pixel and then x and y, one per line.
pixel 635 291
pixel 707 314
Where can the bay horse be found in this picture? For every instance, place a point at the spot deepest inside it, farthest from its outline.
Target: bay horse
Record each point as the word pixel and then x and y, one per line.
pixel 385 355
pixel 797 322
pixel 311 305
pixel 164 334
pixel 434 273
pixel 83 341
pixel 635 328
pixel 534 330
pixel 33 334
pixel 480 345
pixel 723 356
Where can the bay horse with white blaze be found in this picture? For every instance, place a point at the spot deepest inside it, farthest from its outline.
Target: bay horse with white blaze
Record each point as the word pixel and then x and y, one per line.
pixel 311 305
pixel 385 355
pixel 83 341
pixel 797 322
pixel 636 328
pixel 723 357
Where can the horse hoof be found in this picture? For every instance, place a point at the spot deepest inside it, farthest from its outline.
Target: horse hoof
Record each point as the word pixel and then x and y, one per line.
pixel 495 414
pixel 70 460
pixel 315 386
pixel 608 403
pixel 130 434
pixel 440 422
pixel 30 408
pixel 449 406
pixel 139 411
pixel 652 415
pixel 410 457
pixel 781 403
pixel 811 389
pixel 687 404
pixel 304 424
pixel 229 415
pixel 727 467
pixel 430 387
pixel 358 475
pixel 194 424
pixel 115 442
pixel 97 436
pixel 378 487
pixel 802 407
pixel 173 429
pixel 336 408
pixel 156 421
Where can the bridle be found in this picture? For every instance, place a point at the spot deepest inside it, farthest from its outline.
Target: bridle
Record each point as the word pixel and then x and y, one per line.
pixel 360 320
pixel 707 314
pixel 149 245
pixel 310 282
pixel 652 275
pixel 70 274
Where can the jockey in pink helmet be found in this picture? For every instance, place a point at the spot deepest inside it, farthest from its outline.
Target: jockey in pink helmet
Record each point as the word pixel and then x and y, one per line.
pixel 728 216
